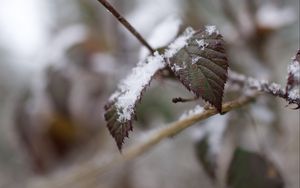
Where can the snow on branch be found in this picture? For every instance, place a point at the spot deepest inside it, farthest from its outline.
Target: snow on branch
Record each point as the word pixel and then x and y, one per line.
pixel 291 94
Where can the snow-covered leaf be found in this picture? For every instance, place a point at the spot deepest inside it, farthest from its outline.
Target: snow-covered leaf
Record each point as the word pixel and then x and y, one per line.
pixel 120 110
pixel 249 170
pixel 199 60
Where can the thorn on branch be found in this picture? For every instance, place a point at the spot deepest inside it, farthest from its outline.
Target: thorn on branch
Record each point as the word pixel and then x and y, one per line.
pixel 179 99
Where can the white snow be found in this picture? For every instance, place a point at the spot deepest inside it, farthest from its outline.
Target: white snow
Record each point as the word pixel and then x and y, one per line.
pixel 162 34
pixel 274 88
pixel 202 44
pixel 210 29
pixel 129 90
pixel 275 17
pixel 294 94
pixel 294 69
pixel 254 84
pixel 179 43
pixel 195 59
pixel 176 68
pixel 196 110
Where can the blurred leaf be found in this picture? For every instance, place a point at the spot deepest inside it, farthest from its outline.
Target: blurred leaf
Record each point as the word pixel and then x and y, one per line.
pixel 202 65
pixel 208 162
pixel 58 88
pixel 251 170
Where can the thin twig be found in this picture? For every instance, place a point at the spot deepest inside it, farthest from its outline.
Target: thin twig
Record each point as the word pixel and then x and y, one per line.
pixel 87 174
pixel 126 24
pixel 262 86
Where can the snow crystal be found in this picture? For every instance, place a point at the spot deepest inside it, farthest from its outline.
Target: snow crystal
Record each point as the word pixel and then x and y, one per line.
pixel 202 44
pixel 294 94
pixel 210 29
pixel 253 83
pixel 274 88
pixel 294 69
pixel 196 110
pixel 179 43
pixel 130 89
pixel 176 68
pixel 195 59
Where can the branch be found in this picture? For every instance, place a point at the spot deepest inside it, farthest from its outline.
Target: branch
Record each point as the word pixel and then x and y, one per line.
pixel 262 86
pixel 126 24
pixel 87 174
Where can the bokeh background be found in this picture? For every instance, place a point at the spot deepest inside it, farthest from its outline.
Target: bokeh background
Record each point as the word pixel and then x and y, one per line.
pixel 61 59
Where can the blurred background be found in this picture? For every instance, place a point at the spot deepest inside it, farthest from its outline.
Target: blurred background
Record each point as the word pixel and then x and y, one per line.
pixel 61 59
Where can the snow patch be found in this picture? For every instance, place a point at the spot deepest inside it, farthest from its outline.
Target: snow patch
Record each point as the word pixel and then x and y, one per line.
pixel 294 94
pixel 202 44
pixel 294 69
pixel 195 59
pixel 196 110
pixel 274 88
pixel 130 89
pixel 179 43
pixel 210 29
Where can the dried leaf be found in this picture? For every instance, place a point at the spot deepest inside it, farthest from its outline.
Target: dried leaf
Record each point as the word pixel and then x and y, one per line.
pixel 249 170
pixel 201 65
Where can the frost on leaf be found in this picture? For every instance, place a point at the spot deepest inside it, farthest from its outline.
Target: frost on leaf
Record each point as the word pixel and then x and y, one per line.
pixel 120 110
pixel 199 60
